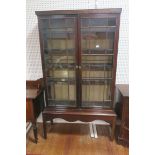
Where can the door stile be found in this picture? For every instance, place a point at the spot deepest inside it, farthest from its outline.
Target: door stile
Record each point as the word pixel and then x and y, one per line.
pixel 77 62
pixel 116 38
pixel 79 76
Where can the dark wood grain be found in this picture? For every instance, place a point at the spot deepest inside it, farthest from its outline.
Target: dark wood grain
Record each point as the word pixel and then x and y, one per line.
pixel 79 112
pixel 85 115
pixel 30 116
pixel 115 58
pixel 86 11
pixel 123 136
pixel 37 84
pixel 42 59
pixel 79 63
pixel 29 110
pixel 34 103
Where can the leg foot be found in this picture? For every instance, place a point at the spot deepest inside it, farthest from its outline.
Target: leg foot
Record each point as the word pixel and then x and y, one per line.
pixel 44 129
pixel 113 128
pixel 35 132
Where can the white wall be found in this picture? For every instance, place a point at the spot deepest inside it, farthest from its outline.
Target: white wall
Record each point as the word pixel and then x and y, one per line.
pixel 33 59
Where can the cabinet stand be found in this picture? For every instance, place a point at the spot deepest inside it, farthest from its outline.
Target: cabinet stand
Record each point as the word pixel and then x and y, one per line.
pixel 85 115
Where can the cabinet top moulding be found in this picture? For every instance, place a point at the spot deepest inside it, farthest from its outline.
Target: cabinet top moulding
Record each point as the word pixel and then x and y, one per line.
pixel 86 11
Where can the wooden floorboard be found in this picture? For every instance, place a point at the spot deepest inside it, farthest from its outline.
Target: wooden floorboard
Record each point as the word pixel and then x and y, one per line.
pixel 73 139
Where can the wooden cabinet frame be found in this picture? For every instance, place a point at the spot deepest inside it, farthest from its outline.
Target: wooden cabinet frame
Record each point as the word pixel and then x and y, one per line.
pixel 78 14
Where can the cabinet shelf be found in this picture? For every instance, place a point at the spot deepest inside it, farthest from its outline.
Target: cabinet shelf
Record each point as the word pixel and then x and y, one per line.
pixel 52 102
pixel 58 28
pixel 62 80
pixel 96 81
pixel 95 51
pixel 84 80
pixel 70 51
pixel 94 66
pixel 87 27
pixel 97 54
pixel 61 66
pixel 85 66
pixel 98 29
pixel 58 35
pixel 57 31
pixel 104 104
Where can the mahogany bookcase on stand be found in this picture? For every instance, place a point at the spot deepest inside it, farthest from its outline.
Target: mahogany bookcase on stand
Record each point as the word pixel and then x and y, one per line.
pixel 79 58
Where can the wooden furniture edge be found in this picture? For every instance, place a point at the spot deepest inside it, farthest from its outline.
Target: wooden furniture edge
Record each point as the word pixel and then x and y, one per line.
pixel 87 11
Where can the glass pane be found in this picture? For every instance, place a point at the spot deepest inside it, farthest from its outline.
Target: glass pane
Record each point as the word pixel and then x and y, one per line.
pixel 44 23
pixel 61 73
pixel 91 22
pixel 60 62
pixel 89 95
pixel 97 59
pixel 61 22
pixel 97 48
pixel 60 93
pixel 97 41
pixel 60 44
pixel 96 74
pixel 100 96
pixel 60 59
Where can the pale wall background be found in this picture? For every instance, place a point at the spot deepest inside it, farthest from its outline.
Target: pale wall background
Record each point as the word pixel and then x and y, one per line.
pixel 33 58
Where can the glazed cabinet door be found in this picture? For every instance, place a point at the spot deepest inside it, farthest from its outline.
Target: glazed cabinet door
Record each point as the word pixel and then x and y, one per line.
pixel 59 50
pixel 97 51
